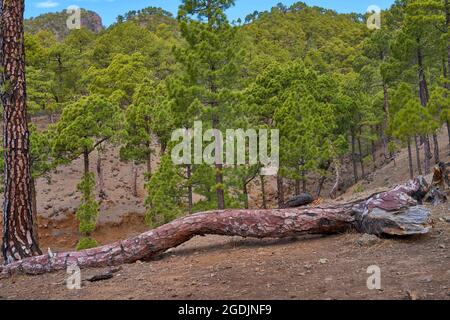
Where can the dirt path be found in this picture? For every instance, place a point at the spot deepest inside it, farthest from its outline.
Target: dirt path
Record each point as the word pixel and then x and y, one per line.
pixel 233 268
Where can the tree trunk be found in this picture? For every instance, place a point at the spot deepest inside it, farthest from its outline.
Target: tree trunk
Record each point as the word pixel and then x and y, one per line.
pixel 385 138
pixel 149 165
pixel 263 192
pixel 297 186
pixel 35 211
pixel 410 161
pixel 336 184
pixel 428 155
pixel 361 158
pixel 374 156
pixel 355 168
pixel 423 85
pixel 448 131
pixel 322 179
pixel 190 191
pixel 419 163
pixel 219 187
pixel 393 213
pixel 20 238
pixel 447 24
pixel 280 191
pixel 437 157
pixel 245 192
pixel 100 178
pixel 424 98
pixel 86 161
pixel 134 176
pixel 319 188
pixel 304 180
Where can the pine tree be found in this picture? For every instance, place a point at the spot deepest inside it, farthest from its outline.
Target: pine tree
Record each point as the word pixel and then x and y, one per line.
pixel 412 120
pixel 148 120
pixel 440 106
pixel 84 126
pixel 377 50
pixel 264 98
pixel 87 212
pixel 210 61
pixel 165 194
pixel 415 44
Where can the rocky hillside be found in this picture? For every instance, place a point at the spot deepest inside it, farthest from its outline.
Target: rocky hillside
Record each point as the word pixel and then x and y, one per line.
pixel 56 22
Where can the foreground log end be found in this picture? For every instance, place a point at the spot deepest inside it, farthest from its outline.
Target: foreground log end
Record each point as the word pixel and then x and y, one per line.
pixel 405 222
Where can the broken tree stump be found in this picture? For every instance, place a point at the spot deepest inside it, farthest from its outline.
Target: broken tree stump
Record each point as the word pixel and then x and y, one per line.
pixel 439 190
pixel 394 212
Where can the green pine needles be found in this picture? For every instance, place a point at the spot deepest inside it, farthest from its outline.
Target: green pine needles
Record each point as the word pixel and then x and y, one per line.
pixel 88 212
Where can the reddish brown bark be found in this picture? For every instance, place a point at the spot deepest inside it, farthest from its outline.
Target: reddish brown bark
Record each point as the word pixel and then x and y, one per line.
pixel 394 213
pixel 19 235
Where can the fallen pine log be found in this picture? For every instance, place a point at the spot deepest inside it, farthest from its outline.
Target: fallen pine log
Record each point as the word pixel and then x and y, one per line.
pixel 394 212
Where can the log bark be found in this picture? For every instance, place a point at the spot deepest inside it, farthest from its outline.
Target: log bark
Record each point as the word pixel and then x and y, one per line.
pixel 19 233
pixel 394 213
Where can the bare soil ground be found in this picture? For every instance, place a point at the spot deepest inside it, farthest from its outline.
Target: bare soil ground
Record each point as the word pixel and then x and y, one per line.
pixel 215 267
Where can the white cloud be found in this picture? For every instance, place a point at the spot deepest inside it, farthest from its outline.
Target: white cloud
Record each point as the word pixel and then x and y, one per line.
pixel 47 4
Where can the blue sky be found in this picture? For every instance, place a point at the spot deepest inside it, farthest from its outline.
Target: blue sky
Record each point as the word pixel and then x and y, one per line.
pixel 110 9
